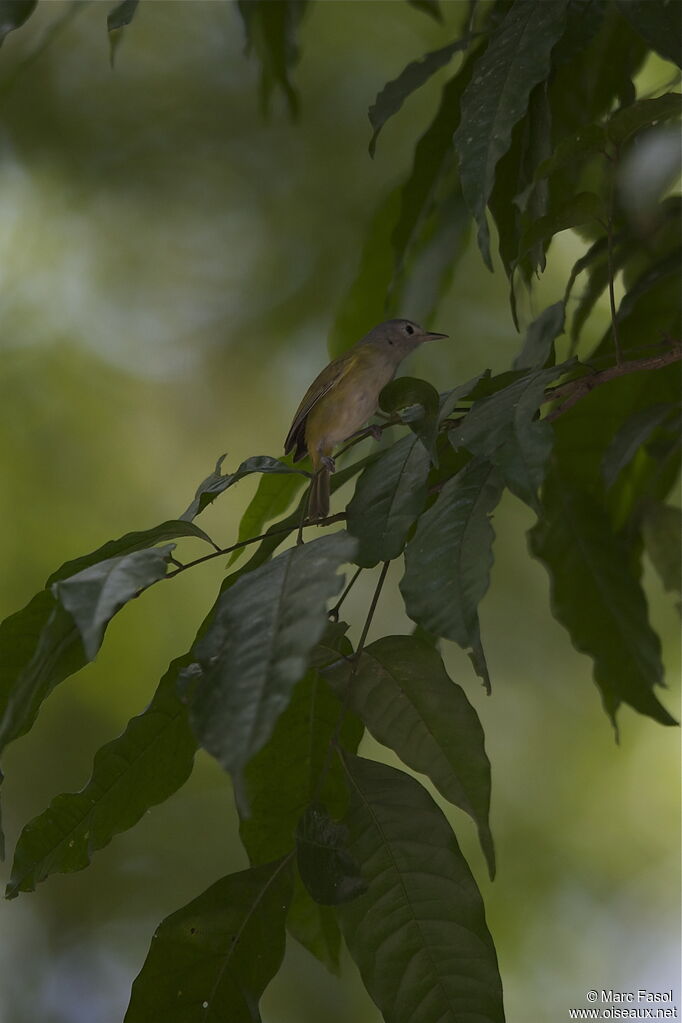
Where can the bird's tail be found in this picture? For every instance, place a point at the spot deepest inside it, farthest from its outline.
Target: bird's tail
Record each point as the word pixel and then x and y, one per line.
pixel 318 500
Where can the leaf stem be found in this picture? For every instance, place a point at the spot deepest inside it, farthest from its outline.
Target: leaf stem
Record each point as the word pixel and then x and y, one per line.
pixel 333 613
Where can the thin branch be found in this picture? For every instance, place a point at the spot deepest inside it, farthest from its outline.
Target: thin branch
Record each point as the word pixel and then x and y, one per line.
pixel 572 391
pixel 333 613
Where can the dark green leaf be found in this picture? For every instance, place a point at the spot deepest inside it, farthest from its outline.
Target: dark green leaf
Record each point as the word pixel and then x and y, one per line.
pixel 139 769
pixel 406 699
pixel 634 432
pixel 662 531
pixel 327 869
pixel 596 596
pixel 13 14
pixel 212 959
pixel 538 346
pixel 94 595
pixel 258 646
pixel 450 399
pixel 271 27
pixel 40 646
pixel 394 93
pixel 283 778
pixel 447 563
pixel 643 114
pixel 416 403
pixel 430 7
pixel 583 208
pixel 516 59
pixel 389 497
pixel 658 24
pixel 504 429
pixel 273 496
pixel 137 541
pixel 118 18
pixel 217 482
pixel 651 308
pixel 432 157
pixel 418 934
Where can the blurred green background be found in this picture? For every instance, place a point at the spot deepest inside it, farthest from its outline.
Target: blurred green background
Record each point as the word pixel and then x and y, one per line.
pixel 170 266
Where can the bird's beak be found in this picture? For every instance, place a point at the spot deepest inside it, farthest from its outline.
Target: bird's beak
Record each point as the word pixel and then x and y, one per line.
pixel 432 336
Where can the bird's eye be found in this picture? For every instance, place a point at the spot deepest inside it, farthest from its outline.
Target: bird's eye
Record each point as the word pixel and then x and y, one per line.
pixel 409 329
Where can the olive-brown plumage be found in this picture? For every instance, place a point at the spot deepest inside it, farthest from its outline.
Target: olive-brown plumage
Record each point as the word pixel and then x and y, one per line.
pixel 344 396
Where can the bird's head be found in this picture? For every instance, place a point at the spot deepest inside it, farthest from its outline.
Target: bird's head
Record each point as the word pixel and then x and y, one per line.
pixel 397 338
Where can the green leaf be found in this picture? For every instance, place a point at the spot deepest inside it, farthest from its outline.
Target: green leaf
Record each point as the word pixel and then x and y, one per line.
pixel 406 699
pixel 516 59
pixel 258 646
pixel 389 497
pixel 596 596
pixel 662 532
pixel 433 156
pixel 642 114
pixel 583 208
pixel 217 482
pixel 273 496
pixel 271 27
pixel 504 429
pixel 137 541
pixel 142 767
pixel 282 779
pixel 634 432
pixel 447 563
pixel 94 595
pixel 416 403
pixel 40 646
pixel 538 346
pixel 212 959
pixel 329 872
pixel 394 93
pixel 418 934
pixel 13 14
pixel 119 17
pixel 430 7
pixel 450 399
pixel 658 24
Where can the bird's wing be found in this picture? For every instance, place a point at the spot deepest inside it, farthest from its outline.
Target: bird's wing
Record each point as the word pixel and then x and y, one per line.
pixel 295 439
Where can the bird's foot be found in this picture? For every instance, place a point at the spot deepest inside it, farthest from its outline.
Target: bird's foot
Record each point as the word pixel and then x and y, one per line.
pixel 374 431
pixel 328 462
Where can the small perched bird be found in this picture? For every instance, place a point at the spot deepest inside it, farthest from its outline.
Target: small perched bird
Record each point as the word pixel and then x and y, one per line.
pixel 345 395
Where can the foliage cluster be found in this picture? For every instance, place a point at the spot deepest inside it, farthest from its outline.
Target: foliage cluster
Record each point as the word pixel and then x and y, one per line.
pixel 540 126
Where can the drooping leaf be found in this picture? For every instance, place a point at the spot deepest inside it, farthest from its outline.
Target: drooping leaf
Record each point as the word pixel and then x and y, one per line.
pixel 447 562
pixel 416 403
pixel 430 7
pixel 583 208
pixel 142 767
pixel 403 694
pixel 327 869
pixel 40 646
pixel 284 777
pixel 211 960
pixel 432 157
pixel 658 24
pixel 464 392
pixel 119 17
pixel 271 27
pixel 517 59
pixel 388 499
pixel 13 14
pixel 538 345
pixel 394 93
pixel 273 496
pixel 598 598
pixel 94 595
pixel 258 646
pixel 217 482
pixel 651 308
pixel 504 429
pixel 642 114
pixel 662 531
pixel 418 934
pixel 634 432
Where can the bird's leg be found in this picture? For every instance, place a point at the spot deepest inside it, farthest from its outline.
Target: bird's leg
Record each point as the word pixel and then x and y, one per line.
pixel 374 431
pixel 328 462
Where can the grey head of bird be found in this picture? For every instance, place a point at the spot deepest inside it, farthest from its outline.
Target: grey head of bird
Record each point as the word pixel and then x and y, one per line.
pixel 397 338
